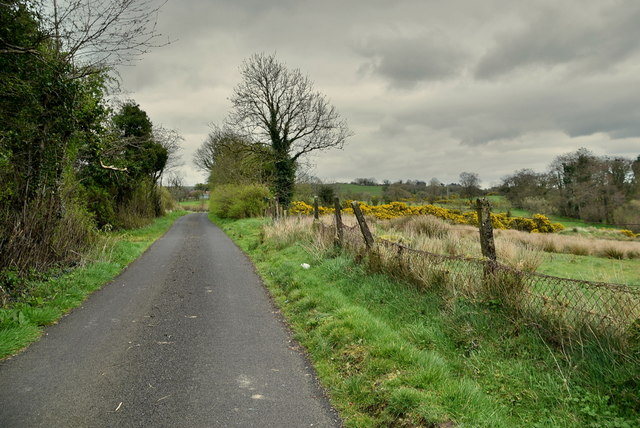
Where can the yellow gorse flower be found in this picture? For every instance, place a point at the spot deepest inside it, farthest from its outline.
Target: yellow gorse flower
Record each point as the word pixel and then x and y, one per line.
pixel 537 224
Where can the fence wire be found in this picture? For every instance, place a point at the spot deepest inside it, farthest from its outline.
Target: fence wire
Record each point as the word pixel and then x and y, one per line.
pixel 561 307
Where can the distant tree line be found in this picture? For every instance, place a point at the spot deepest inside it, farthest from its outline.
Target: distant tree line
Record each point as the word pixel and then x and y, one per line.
pixel 365 181
pixel 580 185
pixel 69 161
pixel 468 187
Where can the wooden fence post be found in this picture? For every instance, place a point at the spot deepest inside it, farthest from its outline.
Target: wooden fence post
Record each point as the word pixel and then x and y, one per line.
pixel 339 228
pixel 316 215
pixel 364 228
pixel 316 209
pixel 488 246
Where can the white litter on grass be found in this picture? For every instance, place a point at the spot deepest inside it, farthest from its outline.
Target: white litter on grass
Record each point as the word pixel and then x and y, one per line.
pixel 305 266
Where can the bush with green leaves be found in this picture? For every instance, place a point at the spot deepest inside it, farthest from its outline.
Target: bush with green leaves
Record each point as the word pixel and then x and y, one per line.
pixel 239 201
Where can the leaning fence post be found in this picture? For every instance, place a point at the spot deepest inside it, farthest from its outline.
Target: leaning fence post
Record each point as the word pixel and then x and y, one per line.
pixel 364 228
pixel 339 228
pixel 487 245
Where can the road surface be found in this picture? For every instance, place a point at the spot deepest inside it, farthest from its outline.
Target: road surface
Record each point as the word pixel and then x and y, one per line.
pixel 186 336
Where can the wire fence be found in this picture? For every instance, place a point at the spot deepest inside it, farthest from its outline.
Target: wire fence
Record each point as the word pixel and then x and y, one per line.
pixel 563 309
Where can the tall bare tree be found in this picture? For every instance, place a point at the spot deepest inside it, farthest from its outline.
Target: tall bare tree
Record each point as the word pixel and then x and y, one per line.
pixel 171 140
pixel 205 155
pixel 278 107
pixel 470 182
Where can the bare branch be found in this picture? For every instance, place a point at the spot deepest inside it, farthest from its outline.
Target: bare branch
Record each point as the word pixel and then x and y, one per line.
pixel 278 105
pixel 99 34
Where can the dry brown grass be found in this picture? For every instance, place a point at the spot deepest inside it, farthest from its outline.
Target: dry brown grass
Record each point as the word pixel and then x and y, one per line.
pixel 299 229
pixel 577 245
pixel 430 234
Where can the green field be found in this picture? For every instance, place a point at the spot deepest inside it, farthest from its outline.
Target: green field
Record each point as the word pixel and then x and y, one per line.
pixel 590 268
pixel 501 204
pixel 348 188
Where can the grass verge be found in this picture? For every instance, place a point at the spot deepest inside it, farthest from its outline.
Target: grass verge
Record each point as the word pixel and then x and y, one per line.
pixel 46 301
pixel 390 356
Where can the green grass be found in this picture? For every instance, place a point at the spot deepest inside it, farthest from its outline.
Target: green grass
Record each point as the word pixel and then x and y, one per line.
pixel 348 188
pixel 591 268
pixel 23 321
pixel 391 356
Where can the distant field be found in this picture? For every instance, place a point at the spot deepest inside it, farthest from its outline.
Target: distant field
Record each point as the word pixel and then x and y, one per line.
pixel 346 188
pixel 201 205
pixel 565 221
pixel 590 268
pixel 501 204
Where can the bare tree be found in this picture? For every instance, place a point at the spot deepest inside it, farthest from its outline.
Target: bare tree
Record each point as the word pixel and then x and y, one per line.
pixel 205 155
pixel 99 34
pixel 175 185
pixel 470 182
pixel 279 108
pixel 171 140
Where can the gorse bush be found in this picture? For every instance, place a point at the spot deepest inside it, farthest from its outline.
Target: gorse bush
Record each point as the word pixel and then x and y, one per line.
pixel 537 224
pixel 239 201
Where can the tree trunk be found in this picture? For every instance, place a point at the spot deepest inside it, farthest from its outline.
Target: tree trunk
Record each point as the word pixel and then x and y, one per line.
pixel 285 176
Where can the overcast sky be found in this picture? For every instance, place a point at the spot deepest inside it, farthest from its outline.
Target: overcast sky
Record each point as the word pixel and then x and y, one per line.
pixel 429 88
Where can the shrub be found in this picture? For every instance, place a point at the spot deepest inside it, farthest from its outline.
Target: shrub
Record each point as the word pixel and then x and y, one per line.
pixel 239 201
pixel 629 233
pixel 49 231
pixel 140 208
pixel 167 202
pixel 628 213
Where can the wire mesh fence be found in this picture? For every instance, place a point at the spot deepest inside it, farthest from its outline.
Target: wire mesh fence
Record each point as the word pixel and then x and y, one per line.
pixel 563 309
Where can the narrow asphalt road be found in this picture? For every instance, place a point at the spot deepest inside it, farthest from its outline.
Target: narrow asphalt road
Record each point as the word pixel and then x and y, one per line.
pixel 186 336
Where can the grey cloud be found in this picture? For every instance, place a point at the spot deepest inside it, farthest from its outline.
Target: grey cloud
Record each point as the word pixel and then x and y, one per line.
pixel 566 37
pixel 408 60
pixel 577 109
pixel 508 117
